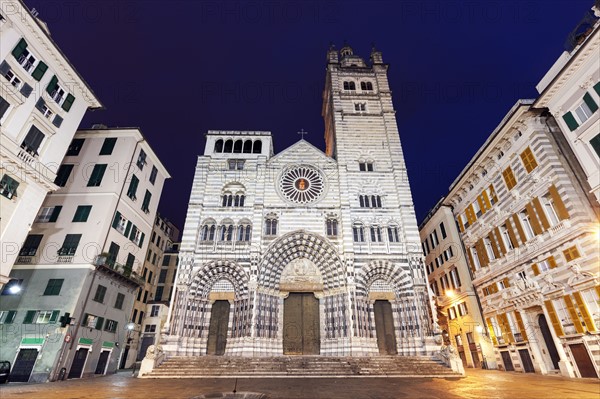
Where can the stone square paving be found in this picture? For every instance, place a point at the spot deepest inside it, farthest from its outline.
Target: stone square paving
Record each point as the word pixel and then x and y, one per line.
pixel 477 384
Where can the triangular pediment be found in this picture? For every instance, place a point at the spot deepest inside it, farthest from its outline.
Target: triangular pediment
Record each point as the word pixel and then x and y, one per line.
pixel 302 152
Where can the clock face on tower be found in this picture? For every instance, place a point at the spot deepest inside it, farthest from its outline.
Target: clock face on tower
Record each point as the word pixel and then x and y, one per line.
pixel 301 184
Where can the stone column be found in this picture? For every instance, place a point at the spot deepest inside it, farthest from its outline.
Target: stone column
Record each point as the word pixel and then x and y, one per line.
pixel 566 369
pixel 538 364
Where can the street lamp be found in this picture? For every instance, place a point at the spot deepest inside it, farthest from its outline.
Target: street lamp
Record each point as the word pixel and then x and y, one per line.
pixel 14 289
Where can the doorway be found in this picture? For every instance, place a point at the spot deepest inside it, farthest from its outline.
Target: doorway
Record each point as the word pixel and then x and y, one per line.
pixel 23 366
pixel 526 361
pixel 301 324
pixel 78 363
pixel 102 361
pixel 545 330
pixel 583 361
pixel 217 330
pixel 508 365
pixel 384 327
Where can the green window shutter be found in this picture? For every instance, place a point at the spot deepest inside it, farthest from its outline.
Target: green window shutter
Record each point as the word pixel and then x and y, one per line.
pixel 85 319
pixel 570 121
pixel 29 316
pixel 52 85
pixel 54 316
pixel 99 323
pixel 590 102
pixel 39 71
pixel 19 48
pixel 133 231
pixel 142 239
pixel 116 220
pixel 595 142
pixel 55 213
pixel 127 229
pixel 68 103
pixel 597 88
pixel 10 317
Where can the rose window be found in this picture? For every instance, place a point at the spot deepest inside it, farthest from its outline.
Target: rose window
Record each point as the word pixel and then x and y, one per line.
pixel 302 184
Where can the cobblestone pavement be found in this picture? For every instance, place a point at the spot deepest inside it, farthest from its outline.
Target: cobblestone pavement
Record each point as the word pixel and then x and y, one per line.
pixel 477 384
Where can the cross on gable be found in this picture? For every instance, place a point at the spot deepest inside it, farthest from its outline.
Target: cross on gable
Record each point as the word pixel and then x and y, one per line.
pixel 302 133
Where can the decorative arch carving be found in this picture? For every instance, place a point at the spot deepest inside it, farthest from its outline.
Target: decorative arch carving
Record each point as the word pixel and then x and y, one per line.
pixel 301 244
pixel 211 272
pixel 386 271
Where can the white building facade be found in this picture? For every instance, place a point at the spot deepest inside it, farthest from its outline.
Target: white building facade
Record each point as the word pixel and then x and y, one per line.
pixel 42 102
pixel 305 252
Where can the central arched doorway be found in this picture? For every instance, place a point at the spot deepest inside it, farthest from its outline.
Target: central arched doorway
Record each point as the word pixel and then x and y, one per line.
pixel 301 326
pixel 384 328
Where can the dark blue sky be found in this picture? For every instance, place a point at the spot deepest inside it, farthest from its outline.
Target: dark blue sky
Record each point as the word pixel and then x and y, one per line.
pixel 179 68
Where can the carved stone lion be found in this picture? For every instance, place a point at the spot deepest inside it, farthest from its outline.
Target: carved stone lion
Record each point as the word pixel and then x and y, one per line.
pixel 153 351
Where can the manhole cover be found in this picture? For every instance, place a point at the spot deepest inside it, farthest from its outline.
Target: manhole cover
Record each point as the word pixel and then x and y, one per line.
pixel 231 395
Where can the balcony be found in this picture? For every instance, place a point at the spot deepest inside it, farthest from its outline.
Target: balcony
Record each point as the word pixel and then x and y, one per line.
pixel 105 263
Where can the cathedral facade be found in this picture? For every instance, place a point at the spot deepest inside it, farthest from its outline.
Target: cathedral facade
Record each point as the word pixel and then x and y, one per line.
pixel 304 252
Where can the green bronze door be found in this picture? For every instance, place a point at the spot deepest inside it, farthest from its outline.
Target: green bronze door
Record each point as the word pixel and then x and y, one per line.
pixel 384 327
pixel 217 331
pixel 301 327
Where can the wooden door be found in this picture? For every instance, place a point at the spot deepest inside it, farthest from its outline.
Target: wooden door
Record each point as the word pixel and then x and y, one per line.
pixel 301 324
pixel 583 361
pixel 549 341
pixel 102 360
pixel 78 363
pixel 508 365
pixel 526 361
pixel 217 330
pixel 23 366
pixel 384 327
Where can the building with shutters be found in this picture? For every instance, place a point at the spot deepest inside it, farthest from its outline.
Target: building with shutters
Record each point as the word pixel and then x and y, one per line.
pixel 304 251
pixel 160 264
pixel 571 91
pixel 84 256
pixel 531 239
pixel 42 102
pixel 448 273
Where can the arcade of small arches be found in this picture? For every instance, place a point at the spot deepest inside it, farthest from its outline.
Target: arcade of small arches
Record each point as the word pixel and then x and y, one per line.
pixel 351 85
pixel 239 146
pixel 226 231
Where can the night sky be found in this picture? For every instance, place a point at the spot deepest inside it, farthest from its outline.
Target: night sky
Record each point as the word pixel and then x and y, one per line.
pixel 179 68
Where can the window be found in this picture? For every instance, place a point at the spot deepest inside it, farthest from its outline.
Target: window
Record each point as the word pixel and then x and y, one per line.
pixel 48 214
pixel 366 86
pixel 208 233
pixel 583 112
pixel 141 161
pixel 150 328
pixel 360 106
pixel 528 160
pixel 154 311
pixel 162 277
pixel 349 86
pixel 70 244
pixel 458 339
pixel 7 316
pixel 97 175
pixel 13 79
pixel 524 217
pixel 13 287
pixel 159 293
pixel 365 166
pixel 141 317
pixel 477 209
pixel 563 315
pixel 113 253
pixel 92 321
pixel 550 210
pixel 75 147
pixel 434 239
pixel 62 175
pixel 133 185
pixel 594 142
pixel 393 235
pixel 100 293
pixel 130 261
pixel 226 232
pixel 4 106
pixel 488 248
pixel 506 237
pixel 46 316
pixel 509 178
pixel 54 286
pixel 235 164
pixel 31 244
pixel 271 226
pixel 153 174
pixel 111 326
pixel 475 258
pixel 145 297
pixel 32 141
pixel 369 201
pixel 244 232
pixel 462 309
pixel 358 233
pixel 451 313
pixel 571 253
pixel 57 92
pixel 331 225
pixel 146 203
pixel 108 146
pixel 82 213
pixel 443 230
pixel 375 234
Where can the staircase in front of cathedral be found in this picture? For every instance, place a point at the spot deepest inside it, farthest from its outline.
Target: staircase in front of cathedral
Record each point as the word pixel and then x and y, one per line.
pixel 300 366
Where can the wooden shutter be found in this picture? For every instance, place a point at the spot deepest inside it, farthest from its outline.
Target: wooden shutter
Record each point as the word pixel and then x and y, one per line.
pixel 470 212
pixel 142 240
pixel 585 313
pixel 481 254
pixel 554 318
pixel 481 205
pixel 55 213
pixel 535 224
pixel 461 226
pixel 127 228
pixel 505 327
pixel 471 262
pixel 519 228
pixel 500 241
pixel 491 330
pixel 573 314
pixel 54 316
pixel 505 282
pixel 561 209
pixel 39 71
pixel 521 325
pixel 52 85
pixel 116 220
pixel 133 231
pixel 570 121
pixel 494 246
pixel 29 316
pixel 551 262
pixel 597 88
pixel 486 200
pixel 99 323
pixel 19 48
pixel 541 214
pixel 10 317
pixel 68 103
pixel 511 233
pixel 590 102
pixel 536 269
